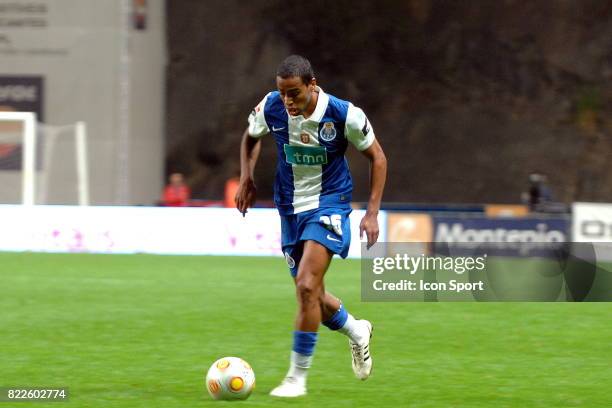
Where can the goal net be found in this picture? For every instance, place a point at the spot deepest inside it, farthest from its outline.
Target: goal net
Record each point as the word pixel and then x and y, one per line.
pixel 40 163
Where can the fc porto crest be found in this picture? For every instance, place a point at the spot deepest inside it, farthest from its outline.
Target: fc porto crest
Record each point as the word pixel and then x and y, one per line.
pixel 328 131
pixel 290 260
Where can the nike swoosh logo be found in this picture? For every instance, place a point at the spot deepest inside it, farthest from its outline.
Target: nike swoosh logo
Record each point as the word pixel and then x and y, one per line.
pixel 332 238
pixel 277 129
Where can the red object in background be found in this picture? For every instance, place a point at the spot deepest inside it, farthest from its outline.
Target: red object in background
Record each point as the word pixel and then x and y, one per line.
pixel 7 149
pixel 176 196
pixel 231 188
pixel 139 14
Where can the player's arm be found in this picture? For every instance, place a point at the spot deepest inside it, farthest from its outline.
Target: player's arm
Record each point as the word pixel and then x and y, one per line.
pixel 249 152
pixel 360 133
pixel 378 175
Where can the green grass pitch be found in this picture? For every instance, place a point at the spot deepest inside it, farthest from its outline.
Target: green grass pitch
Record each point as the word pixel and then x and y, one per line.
pixel 141 331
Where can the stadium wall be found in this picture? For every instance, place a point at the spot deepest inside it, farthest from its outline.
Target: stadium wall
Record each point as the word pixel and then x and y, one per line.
pixel 102 62
pixel 155 230
pixel 223 231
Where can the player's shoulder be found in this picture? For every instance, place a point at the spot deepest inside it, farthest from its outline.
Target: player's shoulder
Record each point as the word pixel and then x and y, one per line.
pixel 338 107
pixel 272 101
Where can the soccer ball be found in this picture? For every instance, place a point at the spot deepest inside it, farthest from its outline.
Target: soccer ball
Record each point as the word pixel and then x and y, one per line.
pixel 230 378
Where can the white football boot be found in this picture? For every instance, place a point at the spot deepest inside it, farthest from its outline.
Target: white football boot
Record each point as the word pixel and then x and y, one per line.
pixel 289 388
pixel 362 360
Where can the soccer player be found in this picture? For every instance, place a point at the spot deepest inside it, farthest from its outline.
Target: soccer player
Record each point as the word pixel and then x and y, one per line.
pixel 312 192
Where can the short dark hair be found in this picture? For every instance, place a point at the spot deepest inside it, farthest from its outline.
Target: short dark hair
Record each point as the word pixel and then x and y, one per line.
pixel 296 66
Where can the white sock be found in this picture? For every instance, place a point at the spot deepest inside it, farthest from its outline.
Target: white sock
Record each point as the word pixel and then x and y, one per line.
pixel 298 367
pixel 354 329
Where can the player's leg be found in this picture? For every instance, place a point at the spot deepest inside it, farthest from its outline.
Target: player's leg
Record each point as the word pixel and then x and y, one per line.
pixel 329 306
pixel 309 286
pixel 331 310
pixel 335 315
pixel 359 332
pixel 331 228
pixel 310 290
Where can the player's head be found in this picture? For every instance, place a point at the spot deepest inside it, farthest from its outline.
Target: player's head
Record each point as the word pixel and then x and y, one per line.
pixel 296 82
pixel 296 66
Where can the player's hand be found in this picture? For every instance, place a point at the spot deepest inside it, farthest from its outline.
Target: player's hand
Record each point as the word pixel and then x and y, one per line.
pixel 246 195
pixel 369 224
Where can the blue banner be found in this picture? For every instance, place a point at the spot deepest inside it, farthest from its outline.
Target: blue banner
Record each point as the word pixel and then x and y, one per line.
pixel 519 237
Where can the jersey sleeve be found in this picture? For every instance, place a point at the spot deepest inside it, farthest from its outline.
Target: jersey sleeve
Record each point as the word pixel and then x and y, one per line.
pixel 257 121
pixel 358 128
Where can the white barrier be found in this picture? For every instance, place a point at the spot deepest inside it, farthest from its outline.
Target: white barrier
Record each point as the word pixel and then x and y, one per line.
pixel 592 222
pixel 156 230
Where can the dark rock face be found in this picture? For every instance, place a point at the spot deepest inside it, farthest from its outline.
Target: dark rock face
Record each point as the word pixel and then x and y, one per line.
pixel 467 98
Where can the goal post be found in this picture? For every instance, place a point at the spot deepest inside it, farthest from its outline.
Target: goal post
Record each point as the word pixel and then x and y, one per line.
pixel 81 160
pixel 35 179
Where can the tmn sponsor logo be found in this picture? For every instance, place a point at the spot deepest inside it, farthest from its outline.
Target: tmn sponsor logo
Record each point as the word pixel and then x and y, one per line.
pixel 306 155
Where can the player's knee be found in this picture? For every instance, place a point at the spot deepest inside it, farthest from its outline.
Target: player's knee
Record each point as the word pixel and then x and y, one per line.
pixel 308 292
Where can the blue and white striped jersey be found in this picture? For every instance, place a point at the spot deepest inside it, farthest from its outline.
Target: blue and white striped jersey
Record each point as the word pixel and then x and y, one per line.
pixel 311 170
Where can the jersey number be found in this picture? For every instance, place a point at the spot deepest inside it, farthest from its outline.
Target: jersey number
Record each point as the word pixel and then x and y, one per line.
pixel 333 222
